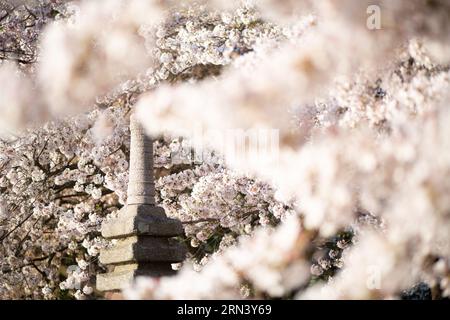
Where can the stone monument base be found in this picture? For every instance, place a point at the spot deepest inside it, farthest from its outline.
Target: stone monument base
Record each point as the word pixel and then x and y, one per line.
pixel 144 246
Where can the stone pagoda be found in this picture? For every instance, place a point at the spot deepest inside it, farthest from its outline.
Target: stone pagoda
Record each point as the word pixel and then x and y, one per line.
pixel 142 230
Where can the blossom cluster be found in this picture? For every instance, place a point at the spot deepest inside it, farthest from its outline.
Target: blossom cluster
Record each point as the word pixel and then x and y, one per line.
pixel 354 136
pixel 354 205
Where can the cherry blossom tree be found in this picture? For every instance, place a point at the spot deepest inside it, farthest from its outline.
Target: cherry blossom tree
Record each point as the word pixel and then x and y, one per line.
pixel 354 205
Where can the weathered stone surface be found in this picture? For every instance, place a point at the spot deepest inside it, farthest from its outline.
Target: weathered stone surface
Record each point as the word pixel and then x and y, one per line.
pixel 144 249
pixel 141 220
pixel 155 269
pixel 114 281
pixel 123 275
pixel 145 244
pixel 141 186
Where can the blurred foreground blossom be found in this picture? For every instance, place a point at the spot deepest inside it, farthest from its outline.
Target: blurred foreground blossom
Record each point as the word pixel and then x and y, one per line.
pixel 353 203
